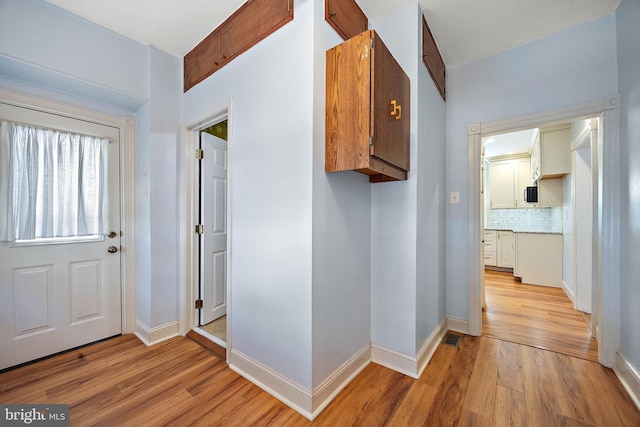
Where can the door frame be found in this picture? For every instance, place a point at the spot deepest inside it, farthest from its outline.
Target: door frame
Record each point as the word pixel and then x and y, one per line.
pixel 188 202
pixel 127 161
pixel 606 251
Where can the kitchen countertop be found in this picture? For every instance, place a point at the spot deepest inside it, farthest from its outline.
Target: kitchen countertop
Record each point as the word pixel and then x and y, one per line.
pixel 526 231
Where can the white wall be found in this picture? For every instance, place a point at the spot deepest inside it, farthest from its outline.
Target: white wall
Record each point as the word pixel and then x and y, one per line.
pixel 567 68
pixel 271 167
pixel 407 237
pixel 628 34
pixel 47 51
pixel 341 238
pixel 394 212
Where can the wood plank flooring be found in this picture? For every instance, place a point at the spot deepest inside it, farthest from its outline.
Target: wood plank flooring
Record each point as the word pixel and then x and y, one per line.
pixel 483 382
pixel 538 316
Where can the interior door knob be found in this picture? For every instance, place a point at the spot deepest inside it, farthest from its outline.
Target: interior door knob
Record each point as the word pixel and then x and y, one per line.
pixel 112 249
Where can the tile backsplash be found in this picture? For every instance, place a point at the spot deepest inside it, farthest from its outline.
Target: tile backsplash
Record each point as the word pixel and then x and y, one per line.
pixel 539 219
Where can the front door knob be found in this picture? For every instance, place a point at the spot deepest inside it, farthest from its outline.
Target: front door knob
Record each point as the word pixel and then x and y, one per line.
pixel 112 234
pixel 112 249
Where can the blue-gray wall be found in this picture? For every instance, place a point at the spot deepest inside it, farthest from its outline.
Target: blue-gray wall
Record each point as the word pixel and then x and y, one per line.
pixel 628 36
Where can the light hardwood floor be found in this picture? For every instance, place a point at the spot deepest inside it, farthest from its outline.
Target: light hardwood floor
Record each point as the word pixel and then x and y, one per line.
pixel 538 316
pixel 484 382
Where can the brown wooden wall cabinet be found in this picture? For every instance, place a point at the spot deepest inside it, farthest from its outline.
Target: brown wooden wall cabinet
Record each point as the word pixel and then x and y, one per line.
pixel 432 59
pixel 346 17
pixel 254 21
pixel 367 110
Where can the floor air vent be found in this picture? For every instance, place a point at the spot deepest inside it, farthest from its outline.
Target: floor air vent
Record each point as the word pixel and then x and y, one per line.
pixel 452 340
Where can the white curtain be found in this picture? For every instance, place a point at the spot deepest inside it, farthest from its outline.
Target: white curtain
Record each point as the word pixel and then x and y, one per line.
pixel 52 183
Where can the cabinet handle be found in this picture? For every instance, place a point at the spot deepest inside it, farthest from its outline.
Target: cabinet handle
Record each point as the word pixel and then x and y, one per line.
pixel 332 14
pixel 396 109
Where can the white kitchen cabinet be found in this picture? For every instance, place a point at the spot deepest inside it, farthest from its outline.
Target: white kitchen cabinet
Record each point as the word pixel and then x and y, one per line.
pixel 490 247
pixel 551 153
pixel 538 258
pixel 505 250
pixel 501 185
pixel 550 193
pixel 508 179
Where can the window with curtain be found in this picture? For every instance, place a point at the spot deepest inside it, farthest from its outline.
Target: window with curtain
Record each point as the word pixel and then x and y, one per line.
pixel 53 184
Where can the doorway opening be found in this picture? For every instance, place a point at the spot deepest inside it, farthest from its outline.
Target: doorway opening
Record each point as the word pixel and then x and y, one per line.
pixel 212 232
pixel 604 281
pixel 537 215
pixel 206 291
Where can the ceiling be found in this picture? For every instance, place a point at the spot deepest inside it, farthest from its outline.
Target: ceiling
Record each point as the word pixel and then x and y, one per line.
pixel 519 142
pixel 465 30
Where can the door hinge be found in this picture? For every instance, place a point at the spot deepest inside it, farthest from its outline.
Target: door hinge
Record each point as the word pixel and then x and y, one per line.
pixel 371 42
pixel 370 141
pixel 199 154
pixel 199 304
pixel 199 229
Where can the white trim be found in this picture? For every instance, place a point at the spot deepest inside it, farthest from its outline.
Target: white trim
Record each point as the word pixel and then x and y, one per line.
pixel 293 395
pixel 430 346
pixel 210 337
pixel 607 281
pixel 457 325
pixel 569 292
pixel 151 336
pixel 412 366
pixel 336 382
pixel 395 360
pixel 127 126
pixel 628 376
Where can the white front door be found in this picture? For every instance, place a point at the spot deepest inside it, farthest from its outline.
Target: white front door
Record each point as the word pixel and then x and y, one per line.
pixel 60 294
pixel 213 245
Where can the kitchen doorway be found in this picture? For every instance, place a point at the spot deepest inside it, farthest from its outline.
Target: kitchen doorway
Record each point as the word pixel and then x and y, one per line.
pixel 606 286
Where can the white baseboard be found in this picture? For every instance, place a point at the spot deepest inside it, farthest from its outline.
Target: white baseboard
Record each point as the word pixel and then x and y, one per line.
pixel 151 336
pixel 412 366
pixel 569 292
pixel 628 376
pixel 458 325
pixel 325 392
pixel 430 346
pixel 291 394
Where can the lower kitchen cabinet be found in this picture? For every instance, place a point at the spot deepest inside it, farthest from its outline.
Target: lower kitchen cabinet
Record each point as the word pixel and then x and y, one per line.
pixel 490 247
pixel 505 253
pixel 538 258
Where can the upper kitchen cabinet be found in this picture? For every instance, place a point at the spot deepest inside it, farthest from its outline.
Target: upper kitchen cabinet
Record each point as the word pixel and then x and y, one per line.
pixel 432 59
pixel 508 179
pixel 346 17
pixel 367 110
pixel 253 22
pixel 551 153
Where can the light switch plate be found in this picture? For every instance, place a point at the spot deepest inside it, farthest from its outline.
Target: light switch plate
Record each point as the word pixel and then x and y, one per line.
pixel 454 197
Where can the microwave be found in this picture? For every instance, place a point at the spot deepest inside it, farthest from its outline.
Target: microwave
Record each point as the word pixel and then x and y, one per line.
pixel 531 194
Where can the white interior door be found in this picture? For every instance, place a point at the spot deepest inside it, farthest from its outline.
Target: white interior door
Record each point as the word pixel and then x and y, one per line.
pixel 56 295
pixel 213 258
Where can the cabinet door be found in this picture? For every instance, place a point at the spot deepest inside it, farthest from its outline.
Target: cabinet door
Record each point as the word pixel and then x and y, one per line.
pixel 252 22
pixel 432 59
pixel 346 17
pixel 506 249
pixel 202 60
pixel 555 154
pixel 501 185
pixel 390 107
